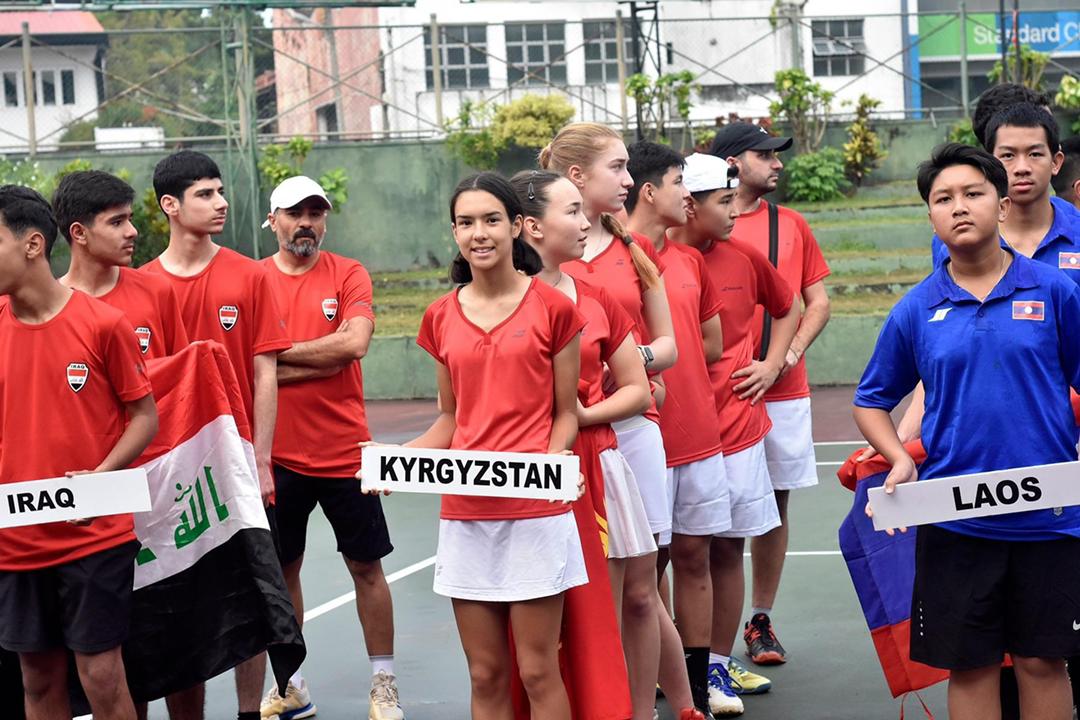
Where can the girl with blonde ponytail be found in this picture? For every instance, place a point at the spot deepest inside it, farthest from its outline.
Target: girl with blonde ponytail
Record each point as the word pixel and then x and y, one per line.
pixel 594 158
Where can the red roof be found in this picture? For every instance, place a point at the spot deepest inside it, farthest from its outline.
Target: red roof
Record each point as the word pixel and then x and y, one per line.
pixel 56 22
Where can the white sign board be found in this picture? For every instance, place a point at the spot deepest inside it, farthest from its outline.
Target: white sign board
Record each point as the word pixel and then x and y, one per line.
pixel 73 498
pixel 965 497
pixel 473 473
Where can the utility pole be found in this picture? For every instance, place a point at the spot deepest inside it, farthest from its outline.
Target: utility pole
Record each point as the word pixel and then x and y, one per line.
pixel 1004 43
pixel 28 89
pixel 965 91
pixel 1018 71
pixel 620 55
pixel 436 68
pixel 793 12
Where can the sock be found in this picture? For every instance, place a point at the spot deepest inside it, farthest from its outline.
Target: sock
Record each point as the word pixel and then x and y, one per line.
pixel 249 715
pixel 718 659
pixel 297 678
pixel 761 611
pixel 697 668
pixel 382 663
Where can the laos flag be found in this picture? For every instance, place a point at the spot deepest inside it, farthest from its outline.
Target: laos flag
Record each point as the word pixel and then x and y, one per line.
pixel 883 571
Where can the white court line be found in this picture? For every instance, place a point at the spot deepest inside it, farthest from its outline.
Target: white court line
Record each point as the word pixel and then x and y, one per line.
pixel 351 596
pixel 831 463
pixel 840 442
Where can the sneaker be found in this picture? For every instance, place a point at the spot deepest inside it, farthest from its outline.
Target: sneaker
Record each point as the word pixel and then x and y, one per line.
pixel 744 682
pixel 761 643
pixel 691 714
pixel 295 705
pixel 723 702
pixel 385 704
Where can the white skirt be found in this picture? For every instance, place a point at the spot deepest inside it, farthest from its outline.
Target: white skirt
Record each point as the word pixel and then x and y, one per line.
pixel 641 443
pixel 629 533
pixel 509 560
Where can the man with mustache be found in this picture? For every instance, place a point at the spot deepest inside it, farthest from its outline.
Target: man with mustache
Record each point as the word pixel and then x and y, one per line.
pixel 326 301
pixel 93 211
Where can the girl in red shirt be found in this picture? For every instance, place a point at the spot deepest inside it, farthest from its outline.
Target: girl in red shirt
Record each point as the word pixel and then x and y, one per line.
pixel 593 157
pixel 498 337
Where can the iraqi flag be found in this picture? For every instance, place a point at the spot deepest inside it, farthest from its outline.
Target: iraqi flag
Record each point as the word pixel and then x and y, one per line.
pixel 883 571
pixel 209 592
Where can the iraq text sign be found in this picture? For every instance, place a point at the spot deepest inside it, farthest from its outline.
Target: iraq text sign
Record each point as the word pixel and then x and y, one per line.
pixel 965 497
pixel 73 498
pixel 466 472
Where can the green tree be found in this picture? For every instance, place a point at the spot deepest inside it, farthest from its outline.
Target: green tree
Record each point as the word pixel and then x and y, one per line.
pixel 663 99
pixel 530 121
pixel 863 151
pixel 804 105
pixel 1032 66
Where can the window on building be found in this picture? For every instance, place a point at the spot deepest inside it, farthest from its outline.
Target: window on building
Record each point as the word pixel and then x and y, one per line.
pixel 536 52
pixel 67 86
pixel 463 55
pixel 602 52
pixel 839 47
pixel 48 87
pixel 11 89
pixel 327 119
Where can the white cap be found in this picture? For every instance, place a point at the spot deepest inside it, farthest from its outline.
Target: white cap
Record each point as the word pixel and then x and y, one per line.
pixel 293 191
pixel 707 172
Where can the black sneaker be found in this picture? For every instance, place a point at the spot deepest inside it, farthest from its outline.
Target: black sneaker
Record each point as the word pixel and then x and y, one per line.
pixel 761 644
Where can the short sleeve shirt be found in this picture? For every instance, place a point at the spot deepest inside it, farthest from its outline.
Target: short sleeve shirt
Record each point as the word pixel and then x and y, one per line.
pixel 231 302
pixel 745 281
pixel 321 421
pixel 63 386
pixel 800 263
pixel 150 305
pixel 502 381
pixel 996 376
pixel 606 327
pixel 688 418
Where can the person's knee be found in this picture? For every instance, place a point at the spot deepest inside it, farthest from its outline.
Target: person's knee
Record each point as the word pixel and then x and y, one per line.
pixel 690 554
pixel 291 570
pixel 366 574
pixel 489 679
pixel 782 504
pixel 538 671
pixel 1039 669
pixel 101 670
pixel 725 553
pixel 639 601
pixel 40 676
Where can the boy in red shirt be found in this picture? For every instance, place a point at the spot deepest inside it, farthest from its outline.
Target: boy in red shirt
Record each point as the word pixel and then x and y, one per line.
pixel 688 421
pixel 789 446
pixel 93 210
pixel 326 300
pixel 75 399
pixel 226 297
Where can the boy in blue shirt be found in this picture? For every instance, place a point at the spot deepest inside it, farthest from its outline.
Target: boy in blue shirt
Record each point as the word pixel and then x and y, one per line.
pixel 993 337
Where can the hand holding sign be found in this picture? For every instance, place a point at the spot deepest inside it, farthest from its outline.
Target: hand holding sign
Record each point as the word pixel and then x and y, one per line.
pixel 78 522
pixel 904 471
pixel 76 497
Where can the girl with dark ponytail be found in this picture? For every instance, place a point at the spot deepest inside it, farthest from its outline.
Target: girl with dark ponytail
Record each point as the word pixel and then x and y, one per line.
pixel 506 350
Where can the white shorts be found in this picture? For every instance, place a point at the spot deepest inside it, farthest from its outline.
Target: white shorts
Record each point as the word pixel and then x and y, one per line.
pixel 753 502
pixel 789 446
pixel 642 445
pixel 701 502
pixel 509 560
pixel 629 532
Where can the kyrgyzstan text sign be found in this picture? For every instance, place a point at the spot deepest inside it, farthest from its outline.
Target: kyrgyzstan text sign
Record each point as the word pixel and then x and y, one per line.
pixel 73 498
pixel 474 473
pixel 965 497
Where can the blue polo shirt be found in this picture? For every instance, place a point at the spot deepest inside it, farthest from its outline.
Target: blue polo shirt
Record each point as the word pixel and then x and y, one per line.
pixel 996 375
pixel 1060 247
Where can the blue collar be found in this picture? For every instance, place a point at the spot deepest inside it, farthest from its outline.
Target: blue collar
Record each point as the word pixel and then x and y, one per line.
pixel 1019 276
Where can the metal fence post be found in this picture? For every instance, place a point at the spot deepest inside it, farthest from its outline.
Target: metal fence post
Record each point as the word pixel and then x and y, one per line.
pixel 28 89
pixel 965 92
pixel 620 55
pixel 436 68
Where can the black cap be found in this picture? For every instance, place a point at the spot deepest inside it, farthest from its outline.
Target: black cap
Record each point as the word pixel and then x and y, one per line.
pixel 738 137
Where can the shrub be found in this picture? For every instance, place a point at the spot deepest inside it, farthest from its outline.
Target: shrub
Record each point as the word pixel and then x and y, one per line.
pixel 1068 98
pixel 530 121
pixel 817 176
pixel 804 106
pixel 961 132
pixel 863 151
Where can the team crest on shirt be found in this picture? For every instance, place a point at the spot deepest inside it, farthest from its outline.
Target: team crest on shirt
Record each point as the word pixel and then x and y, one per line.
pixel 227 316
pixel 1069 261
pixel 77 375
pixel 329 308
pixel 1028 310
pixel 143 333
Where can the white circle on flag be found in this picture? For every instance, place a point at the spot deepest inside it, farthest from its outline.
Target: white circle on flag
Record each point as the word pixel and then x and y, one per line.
pixel 1028 310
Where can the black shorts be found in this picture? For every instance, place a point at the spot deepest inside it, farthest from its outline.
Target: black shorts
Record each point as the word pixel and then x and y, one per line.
pixel 83 605
pixel 358 520
pixel 977 599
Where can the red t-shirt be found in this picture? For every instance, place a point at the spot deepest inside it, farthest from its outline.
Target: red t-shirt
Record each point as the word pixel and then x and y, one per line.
pixel 688 419
pixel 801 264
pixel 606 327
pixel 320 422
pixel 231 302
pixel 745 280
pixel 613 270
pixel 502 382
pixel 150 305
pixel 63 386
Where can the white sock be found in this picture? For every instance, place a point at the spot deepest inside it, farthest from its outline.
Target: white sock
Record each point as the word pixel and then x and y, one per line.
pixel 718 659
pixel 297 678
pixel 757 610
pixel 382 663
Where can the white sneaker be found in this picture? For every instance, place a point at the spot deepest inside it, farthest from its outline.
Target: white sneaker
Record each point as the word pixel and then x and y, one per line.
pixel 294 706
pixel 385 704
pixel 723 702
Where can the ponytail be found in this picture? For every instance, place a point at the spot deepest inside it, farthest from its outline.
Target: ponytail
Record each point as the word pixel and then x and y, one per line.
pixel 643 264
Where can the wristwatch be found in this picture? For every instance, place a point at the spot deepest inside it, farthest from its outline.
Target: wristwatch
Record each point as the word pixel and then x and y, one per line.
pixel 647 356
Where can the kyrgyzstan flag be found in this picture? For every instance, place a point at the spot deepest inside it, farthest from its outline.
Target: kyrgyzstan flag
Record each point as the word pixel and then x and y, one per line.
pixel 883 571
pixel 209 592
